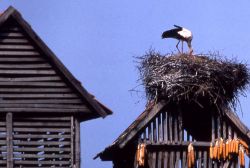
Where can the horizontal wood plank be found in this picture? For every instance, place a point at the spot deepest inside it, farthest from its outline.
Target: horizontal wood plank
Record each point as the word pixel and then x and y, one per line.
pixel 16 47
pixel 45 110
pixel 45 149
pixel 41 84
pixel 41 162
pixel 49 118
pixel 25 66
pixel 43 101
pixel 3 149
pixel 42 124
pixel 30 79
pixel 13 41
pixel 22 59
pixel 3 142
pixel 30 143
pixel 23 166
pixel 35 90
pixel 19 53
pixel 41 156
pixel 11 34
pixel 11 29
pixel 16 136
pixel 41 129
pixel 3 162
pixel 25 72
pixel 45 95
pixel 56 106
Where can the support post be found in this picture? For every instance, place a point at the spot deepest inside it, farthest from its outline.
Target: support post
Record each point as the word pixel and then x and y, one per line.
pixel 77 144
pixel 9 139
pixel 72 143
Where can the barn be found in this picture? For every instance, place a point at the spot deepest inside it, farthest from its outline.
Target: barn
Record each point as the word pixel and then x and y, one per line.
pixel 41 102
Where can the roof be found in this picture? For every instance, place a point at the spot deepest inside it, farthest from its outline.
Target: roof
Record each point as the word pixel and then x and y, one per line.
pixel 17 43
pixel 146 116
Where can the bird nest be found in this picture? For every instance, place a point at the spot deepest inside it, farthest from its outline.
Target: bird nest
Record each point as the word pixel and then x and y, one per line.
pixel 202 79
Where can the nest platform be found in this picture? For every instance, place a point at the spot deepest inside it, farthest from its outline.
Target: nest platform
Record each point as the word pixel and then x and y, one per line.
pixel 201 79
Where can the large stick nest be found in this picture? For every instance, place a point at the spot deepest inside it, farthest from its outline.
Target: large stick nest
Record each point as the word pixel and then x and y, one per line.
pixel 203 79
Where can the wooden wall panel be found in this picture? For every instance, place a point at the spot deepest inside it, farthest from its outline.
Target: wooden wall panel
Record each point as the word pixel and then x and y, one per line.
pixel 41 142
pixel 27 76
pixel 167 142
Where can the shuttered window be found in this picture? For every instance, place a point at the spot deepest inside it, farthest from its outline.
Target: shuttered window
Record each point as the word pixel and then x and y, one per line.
pixel 32 142
pixel 3 144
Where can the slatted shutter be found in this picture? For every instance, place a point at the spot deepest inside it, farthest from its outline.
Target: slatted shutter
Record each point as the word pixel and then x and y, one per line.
pixel 3 144
pixel 37 142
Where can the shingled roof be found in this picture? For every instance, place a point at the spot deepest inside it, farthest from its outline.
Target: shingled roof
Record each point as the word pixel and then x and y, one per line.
pixel 34 79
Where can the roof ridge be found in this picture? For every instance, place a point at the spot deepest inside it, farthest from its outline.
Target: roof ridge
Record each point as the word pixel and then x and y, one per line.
pixel 93 103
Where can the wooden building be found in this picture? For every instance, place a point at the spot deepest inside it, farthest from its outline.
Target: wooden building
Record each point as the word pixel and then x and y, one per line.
pixel 167 130
pixel 41 103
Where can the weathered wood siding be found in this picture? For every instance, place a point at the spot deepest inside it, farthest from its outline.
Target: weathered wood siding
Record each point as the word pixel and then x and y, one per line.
pixel 167 142
pixel 28 81
pixel 29 141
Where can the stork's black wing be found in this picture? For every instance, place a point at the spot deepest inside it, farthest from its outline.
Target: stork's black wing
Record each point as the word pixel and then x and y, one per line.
pixel 173 33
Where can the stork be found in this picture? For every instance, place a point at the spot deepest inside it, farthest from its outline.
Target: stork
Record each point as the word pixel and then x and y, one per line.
pixel 181 34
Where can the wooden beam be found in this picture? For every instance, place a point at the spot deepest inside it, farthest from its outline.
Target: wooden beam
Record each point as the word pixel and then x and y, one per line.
pixel 40 136
pixel 46 149
pixel 72 141
pixel 39 95
pixel 19 53
pixel 9 139
pixel 27 72
pixel 34 84
pixel 35 90
pixel 22 59
pixel 177 144
pixel 46 110
pixel 44 156
pixel 16 47
pixel 77 144
pixel 25 66
pixel 33 162
pixel 137 126
pixel 14 41
pixel 10 34
pixel 30 79
pixel 42 101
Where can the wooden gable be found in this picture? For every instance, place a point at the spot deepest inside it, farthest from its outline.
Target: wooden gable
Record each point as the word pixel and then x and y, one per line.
pixel 32 78
pixel 167 131
pixel 41 103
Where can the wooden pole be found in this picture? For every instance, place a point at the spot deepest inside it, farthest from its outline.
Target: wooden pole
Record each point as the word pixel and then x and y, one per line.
pixel 77 144
pixel 72 139
pixel 9 139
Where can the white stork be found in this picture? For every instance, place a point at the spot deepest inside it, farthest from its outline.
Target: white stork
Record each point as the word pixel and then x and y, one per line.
pixel 181 34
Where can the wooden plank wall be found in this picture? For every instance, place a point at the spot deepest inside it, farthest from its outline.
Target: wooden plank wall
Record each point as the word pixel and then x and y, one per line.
pixel 28 80
pixel 172 158
pixel 3 141
pixel 166 128
pixel 29 142
pixel 41 141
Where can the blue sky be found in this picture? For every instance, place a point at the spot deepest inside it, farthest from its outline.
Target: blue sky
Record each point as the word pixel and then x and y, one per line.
pixel 98 39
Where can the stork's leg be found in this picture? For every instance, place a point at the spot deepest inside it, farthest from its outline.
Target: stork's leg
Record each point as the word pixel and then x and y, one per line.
pixel 181 46
pixel 190 48
pixel 191 51
pixel 177 46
